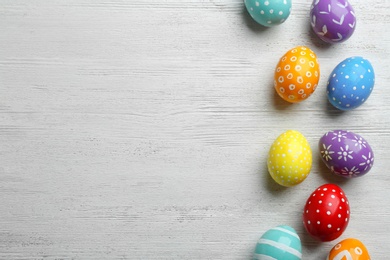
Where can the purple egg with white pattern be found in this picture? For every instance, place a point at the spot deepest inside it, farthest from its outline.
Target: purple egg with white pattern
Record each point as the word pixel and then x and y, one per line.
pixel 346 154
pixel 333 21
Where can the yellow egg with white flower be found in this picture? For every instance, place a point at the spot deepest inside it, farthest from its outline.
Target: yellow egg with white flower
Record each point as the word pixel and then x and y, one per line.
pixel 290 158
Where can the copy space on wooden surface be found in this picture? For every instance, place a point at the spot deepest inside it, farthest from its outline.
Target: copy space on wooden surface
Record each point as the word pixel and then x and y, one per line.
pixel 140 129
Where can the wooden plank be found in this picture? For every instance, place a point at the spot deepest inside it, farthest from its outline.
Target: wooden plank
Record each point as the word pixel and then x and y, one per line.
pixel 140 129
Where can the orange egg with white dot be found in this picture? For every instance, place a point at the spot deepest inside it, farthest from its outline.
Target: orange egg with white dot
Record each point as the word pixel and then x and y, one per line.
pixel 289 158
pixel 297 74
pixel 350 248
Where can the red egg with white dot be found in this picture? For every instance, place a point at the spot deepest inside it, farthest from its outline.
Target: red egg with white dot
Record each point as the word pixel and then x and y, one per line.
pixel 326 214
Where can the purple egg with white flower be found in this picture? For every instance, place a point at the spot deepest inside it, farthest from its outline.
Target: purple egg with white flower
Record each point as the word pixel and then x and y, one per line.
pixel 346 154
pixel 333 21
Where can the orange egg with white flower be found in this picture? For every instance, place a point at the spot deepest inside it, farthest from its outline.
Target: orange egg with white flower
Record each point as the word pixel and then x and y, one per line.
pixel 297 74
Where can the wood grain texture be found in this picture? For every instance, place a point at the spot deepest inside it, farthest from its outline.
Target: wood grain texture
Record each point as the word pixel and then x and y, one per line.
pixel 140 129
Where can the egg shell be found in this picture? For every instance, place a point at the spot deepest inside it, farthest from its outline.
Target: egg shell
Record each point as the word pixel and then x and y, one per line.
pixel 281 242
pixel 345 153
pixel 326 213
pixel 350 83
pixel 290 158
pixel 297 74
pixel 350 249
pixel 269 12
pixel 333 21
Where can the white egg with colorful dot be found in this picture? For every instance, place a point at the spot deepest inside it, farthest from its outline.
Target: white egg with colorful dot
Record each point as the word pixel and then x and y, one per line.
pixel 279 243
pixel 269 12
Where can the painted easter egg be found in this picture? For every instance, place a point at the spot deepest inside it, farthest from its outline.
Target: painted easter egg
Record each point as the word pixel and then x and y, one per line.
pixel 345 153
pixel 333 21
pixel 326 213
pixel 349 249
pixel 269 12
pixel 350 83
pixel 279 243
pixel 289 158
pixel 297 74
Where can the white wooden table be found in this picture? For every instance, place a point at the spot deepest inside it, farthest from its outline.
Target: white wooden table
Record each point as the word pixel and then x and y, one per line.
pixel 140 129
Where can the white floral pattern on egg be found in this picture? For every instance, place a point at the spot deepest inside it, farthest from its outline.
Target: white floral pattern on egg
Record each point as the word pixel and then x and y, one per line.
pixel 345 153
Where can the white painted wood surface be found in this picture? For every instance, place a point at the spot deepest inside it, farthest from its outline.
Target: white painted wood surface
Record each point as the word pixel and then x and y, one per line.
pixel 140 129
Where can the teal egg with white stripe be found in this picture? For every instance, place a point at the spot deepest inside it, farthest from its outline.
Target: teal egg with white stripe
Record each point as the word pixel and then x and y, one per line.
pixel 269 12
pixel 279 243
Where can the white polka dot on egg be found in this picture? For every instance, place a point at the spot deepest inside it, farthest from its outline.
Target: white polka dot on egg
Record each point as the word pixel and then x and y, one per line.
pixel 330 219
pixel 269 13
pixel 352 75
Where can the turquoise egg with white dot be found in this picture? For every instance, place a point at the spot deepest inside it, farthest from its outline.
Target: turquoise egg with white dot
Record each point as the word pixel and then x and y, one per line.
pixel 350 83
pixel 269 12
pixel 279 243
